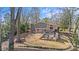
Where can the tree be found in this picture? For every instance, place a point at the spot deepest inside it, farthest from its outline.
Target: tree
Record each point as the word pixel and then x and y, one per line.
pixel 15 22
pixel 75 34
pixel 35 15
pixel 25 17
pixel 18 23
pixel 0 29
pixel 65 20
pixel 0 34
pixel 11 33
pixel 6 25
pixel 46 20
pixel 32 17
pixel 70 18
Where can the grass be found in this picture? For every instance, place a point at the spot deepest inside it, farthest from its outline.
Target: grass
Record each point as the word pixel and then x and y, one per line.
pixel 36 42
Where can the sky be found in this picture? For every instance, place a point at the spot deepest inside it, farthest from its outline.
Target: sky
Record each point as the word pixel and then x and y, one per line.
pixel 47 12
pixel 44 11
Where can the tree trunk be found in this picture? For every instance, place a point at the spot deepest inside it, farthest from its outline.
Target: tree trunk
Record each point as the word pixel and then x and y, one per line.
pixel 58 33
pixel 18 24
pixel 70 23
pixel 0 36
pixel 69 28
pixel 75 35
pixel 11 34
pixel 26 27
pixel 78 37
pixel 18 30
pixel 78 33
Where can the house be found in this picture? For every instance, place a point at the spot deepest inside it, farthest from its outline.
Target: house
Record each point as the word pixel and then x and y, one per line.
pixel 54 24
pixel 40 27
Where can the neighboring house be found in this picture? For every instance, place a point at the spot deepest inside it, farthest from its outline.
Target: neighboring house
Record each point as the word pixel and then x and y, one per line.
pixel 54 24
pixel 40 27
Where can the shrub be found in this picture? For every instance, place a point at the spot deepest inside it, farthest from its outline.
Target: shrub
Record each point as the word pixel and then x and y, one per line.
pixel 24 27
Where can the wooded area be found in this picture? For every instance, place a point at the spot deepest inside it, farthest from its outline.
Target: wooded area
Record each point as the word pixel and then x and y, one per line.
pixel 58 31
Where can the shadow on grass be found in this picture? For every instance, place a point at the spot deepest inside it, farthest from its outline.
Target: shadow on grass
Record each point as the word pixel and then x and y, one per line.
pixel 58 40
pixel 40 48
pixel 62 40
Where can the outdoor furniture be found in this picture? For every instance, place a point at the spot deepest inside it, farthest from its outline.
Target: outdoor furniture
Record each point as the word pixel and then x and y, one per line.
pixel 51 34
